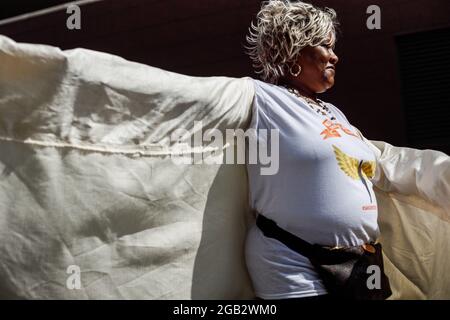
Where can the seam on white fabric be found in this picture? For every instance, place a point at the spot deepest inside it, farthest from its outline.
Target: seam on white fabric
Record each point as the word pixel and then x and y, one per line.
pixel 142 151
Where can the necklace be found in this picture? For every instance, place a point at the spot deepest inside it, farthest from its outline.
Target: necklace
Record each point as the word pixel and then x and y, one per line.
pixel 323 109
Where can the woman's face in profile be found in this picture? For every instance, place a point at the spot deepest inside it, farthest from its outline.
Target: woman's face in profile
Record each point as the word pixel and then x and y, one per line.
pixel 318 67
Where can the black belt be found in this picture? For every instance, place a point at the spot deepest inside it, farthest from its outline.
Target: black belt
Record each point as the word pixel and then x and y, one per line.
pixel 271 230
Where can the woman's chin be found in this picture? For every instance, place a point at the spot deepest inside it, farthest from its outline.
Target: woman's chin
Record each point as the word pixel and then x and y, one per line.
pixel 327 86
pixel 328 81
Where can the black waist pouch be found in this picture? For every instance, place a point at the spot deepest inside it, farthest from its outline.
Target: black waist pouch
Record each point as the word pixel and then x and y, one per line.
pixel 347 273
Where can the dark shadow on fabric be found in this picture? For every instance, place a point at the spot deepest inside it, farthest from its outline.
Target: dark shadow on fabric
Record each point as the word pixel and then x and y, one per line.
pixel 218 239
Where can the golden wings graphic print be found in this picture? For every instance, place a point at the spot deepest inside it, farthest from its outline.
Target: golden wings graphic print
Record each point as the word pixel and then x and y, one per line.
pixel 354 168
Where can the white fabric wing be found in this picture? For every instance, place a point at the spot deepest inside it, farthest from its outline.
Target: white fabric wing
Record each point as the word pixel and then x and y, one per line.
pixel 86 179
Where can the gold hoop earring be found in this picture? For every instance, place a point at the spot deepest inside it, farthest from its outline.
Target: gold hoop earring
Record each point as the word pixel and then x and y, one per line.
pixel 295 74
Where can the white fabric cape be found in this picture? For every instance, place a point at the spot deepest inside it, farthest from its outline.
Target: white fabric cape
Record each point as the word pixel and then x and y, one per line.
pixel 87 184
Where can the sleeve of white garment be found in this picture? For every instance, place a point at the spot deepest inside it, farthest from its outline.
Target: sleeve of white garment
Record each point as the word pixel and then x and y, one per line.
pixel 134 103
pixel 408 171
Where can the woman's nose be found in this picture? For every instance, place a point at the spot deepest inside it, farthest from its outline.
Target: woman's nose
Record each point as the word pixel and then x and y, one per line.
pixel 334 58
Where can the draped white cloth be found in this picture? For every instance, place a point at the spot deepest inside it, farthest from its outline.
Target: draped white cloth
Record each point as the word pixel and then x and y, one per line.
pixel 87 180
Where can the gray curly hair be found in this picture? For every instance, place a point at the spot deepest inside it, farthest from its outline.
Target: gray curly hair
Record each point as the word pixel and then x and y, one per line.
pixel 282 30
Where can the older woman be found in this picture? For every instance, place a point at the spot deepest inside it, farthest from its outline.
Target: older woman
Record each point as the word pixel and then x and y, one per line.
pixel 322 192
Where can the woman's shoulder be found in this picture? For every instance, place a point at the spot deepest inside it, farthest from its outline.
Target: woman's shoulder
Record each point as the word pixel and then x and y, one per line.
pixel 265 85
pixel 269 92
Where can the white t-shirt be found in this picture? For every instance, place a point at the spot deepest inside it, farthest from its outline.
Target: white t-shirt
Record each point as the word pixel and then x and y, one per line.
pixel 322 191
